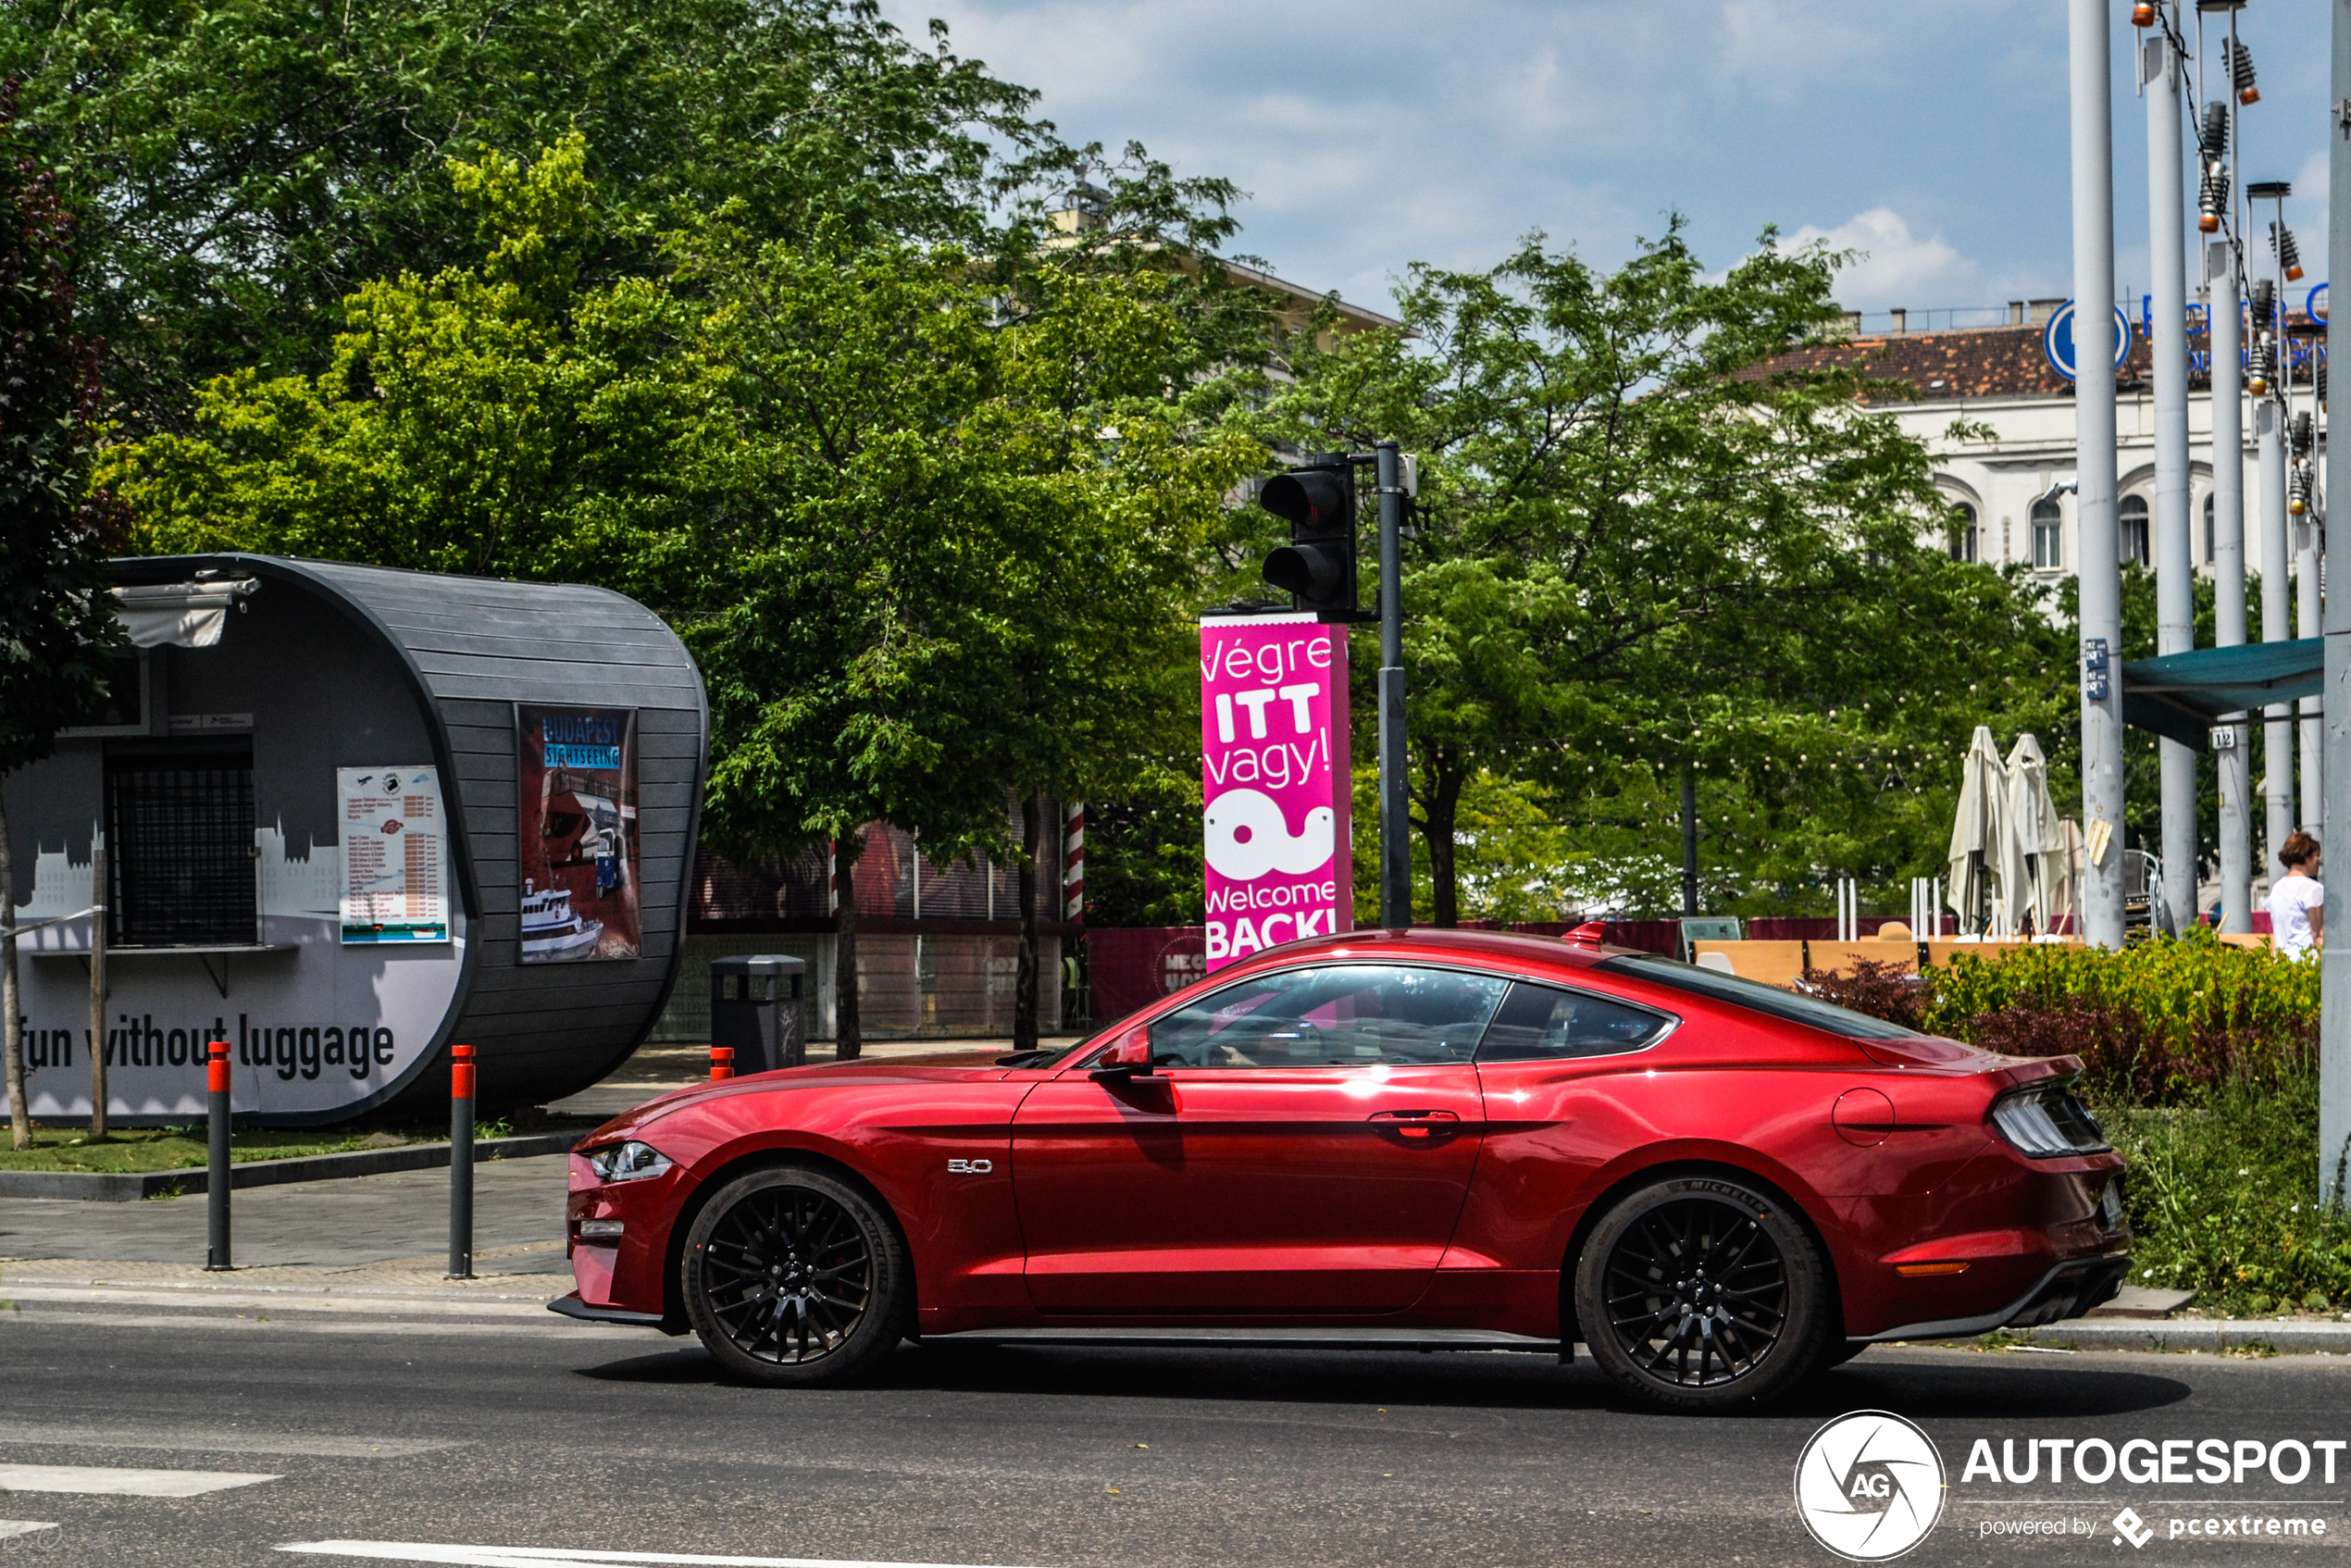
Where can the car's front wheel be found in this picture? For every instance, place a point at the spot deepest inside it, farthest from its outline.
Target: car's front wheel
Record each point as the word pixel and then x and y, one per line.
pixel 795 1278
pixel 1699 1293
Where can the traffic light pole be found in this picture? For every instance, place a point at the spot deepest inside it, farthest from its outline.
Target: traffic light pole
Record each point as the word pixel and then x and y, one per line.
pixel 1395 808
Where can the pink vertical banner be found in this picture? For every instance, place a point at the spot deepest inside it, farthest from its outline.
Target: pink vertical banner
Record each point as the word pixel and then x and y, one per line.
pixel 1276 782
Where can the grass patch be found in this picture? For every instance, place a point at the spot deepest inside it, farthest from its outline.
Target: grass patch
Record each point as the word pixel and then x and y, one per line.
pixel 181 1148
pixel 2221 1197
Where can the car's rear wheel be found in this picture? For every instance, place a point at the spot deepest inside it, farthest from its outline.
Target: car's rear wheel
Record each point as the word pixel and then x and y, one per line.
pixel 1699 1293
pixel 795 1278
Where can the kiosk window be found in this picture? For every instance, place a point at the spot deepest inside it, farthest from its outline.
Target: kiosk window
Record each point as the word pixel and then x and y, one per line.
pixel 181 848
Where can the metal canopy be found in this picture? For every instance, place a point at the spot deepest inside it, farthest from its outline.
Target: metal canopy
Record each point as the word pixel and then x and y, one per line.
pixel 2181 696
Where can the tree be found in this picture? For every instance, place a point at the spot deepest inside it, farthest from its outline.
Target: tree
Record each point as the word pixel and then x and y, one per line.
pixel 962 548
pixel 1640 551
pixel 505 419
pixel 249 167
pixel 57 621
pixel 927 521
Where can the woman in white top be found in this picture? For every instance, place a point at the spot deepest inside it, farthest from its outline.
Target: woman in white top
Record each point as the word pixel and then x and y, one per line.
pixel 2298 921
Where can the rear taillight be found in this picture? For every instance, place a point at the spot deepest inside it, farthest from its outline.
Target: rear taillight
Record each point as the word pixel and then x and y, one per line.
pixel 2047 1122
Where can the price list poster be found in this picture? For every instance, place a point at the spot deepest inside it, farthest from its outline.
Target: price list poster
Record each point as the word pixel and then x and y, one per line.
pixel 395 855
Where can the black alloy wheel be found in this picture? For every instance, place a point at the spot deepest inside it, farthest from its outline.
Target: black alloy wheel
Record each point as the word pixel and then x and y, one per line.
pixel 793 1277
pixel 1699 1293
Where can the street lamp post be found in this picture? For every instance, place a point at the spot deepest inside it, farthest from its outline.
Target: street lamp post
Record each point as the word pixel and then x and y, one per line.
pixel 2334 981
pixel 2174 566
pixel 1395 798
pixel 2098 564
pixel 2225 337
pixel 2277 583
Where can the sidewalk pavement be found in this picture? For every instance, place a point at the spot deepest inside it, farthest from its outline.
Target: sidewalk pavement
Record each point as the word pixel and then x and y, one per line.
pixel 319 1226
pixel 383 1238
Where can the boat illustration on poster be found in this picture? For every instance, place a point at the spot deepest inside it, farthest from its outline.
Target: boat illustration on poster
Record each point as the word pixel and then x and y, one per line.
pixel 550 932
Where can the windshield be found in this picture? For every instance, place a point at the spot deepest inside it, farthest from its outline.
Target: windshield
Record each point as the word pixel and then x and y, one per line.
pixel 1712 983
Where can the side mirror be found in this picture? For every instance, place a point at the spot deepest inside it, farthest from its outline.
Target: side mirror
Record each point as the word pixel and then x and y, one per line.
pixel 1130 1058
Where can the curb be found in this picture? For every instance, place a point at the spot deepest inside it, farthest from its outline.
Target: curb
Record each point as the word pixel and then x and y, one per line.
pixel 109 1187
pixel 2178 1336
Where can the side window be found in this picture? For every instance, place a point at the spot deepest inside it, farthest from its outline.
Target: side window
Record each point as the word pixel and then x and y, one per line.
pixel 1543 1023
pixel 1337 1014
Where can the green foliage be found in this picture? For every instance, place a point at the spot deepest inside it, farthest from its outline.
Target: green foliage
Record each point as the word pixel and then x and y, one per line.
pixel 959 541
pixel 1635 548
pixel 2160 1022
pixel 57 621
pixel 1143 864
pixel 493 420
pixel 2220 1199
pixel 259 161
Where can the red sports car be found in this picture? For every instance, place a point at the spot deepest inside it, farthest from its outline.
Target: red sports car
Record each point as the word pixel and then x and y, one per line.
pixel 1413 1138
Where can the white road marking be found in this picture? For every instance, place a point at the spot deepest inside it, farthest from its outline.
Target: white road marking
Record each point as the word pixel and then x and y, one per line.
pixel 10 1529
pixel 559 1557
pixel 105 1481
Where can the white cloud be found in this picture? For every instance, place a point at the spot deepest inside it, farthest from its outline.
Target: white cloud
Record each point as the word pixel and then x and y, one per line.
pixel 1372 133
pixel 1893 267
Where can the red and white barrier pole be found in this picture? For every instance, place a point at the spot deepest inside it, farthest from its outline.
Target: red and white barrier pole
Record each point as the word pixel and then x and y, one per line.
pixel 215 1189
pixel 461 1162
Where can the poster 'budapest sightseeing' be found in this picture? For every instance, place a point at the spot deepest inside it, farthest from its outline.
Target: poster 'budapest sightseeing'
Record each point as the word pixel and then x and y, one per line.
pixel 577 833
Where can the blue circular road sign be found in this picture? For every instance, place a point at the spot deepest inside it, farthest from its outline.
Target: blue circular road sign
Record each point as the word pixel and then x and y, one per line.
pixel 2057 339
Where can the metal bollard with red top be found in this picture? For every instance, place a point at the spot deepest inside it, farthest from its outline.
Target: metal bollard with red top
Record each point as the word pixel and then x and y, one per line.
pixel 215 1184
pixel 722 1062
pixel 461 1162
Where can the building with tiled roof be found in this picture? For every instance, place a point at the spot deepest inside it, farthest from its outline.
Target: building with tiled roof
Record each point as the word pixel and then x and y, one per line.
pixel 1999 421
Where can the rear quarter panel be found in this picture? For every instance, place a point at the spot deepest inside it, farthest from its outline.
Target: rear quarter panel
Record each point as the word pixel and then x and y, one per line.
pixel 1727 1088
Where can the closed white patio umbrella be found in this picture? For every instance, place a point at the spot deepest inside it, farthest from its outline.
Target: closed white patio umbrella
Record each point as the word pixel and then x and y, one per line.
pixel 2031 856
pixel 1976 833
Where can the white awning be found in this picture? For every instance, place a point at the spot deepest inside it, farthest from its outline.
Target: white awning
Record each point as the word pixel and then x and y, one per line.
pixel 179 615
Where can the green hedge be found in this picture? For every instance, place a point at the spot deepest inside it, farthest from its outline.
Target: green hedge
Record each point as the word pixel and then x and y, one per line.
pixel 2165 1023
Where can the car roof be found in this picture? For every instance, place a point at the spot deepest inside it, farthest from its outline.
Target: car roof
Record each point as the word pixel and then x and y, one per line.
pixel 1501 949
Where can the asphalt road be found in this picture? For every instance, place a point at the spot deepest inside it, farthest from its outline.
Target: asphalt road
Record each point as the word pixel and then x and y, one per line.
pixel 517 1434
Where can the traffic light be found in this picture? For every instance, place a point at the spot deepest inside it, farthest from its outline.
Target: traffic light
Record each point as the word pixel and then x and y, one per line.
pixel 1317 567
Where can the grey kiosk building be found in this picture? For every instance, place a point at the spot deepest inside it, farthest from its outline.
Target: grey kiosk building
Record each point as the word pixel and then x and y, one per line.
pixel 349 816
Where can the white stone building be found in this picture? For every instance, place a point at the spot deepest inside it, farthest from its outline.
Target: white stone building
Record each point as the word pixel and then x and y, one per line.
pixel 2006 490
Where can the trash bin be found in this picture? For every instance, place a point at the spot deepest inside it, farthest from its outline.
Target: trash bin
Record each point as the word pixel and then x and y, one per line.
pixel 754 1008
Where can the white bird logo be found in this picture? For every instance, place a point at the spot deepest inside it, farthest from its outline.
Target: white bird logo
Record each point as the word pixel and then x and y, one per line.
pixel 1248 835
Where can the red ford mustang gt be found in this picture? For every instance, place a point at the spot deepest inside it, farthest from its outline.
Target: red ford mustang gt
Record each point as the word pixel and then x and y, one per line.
pixel 1383 1139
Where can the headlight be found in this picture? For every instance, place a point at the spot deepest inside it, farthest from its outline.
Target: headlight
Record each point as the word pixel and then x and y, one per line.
pixel 2047 1122
pixel 627 1161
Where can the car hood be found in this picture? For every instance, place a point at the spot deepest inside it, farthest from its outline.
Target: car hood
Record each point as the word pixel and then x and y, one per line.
pixel 930 1068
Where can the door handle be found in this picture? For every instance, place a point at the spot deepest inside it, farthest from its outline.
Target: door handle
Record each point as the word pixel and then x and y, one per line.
pixel 1418 1124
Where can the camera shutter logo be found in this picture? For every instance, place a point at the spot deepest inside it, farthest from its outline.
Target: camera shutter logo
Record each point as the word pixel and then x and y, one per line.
pixel 1868 1485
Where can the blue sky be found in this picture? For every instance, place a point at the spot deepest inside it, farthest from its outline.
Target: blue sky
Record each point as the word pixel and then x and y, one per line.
pixel 1929 133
